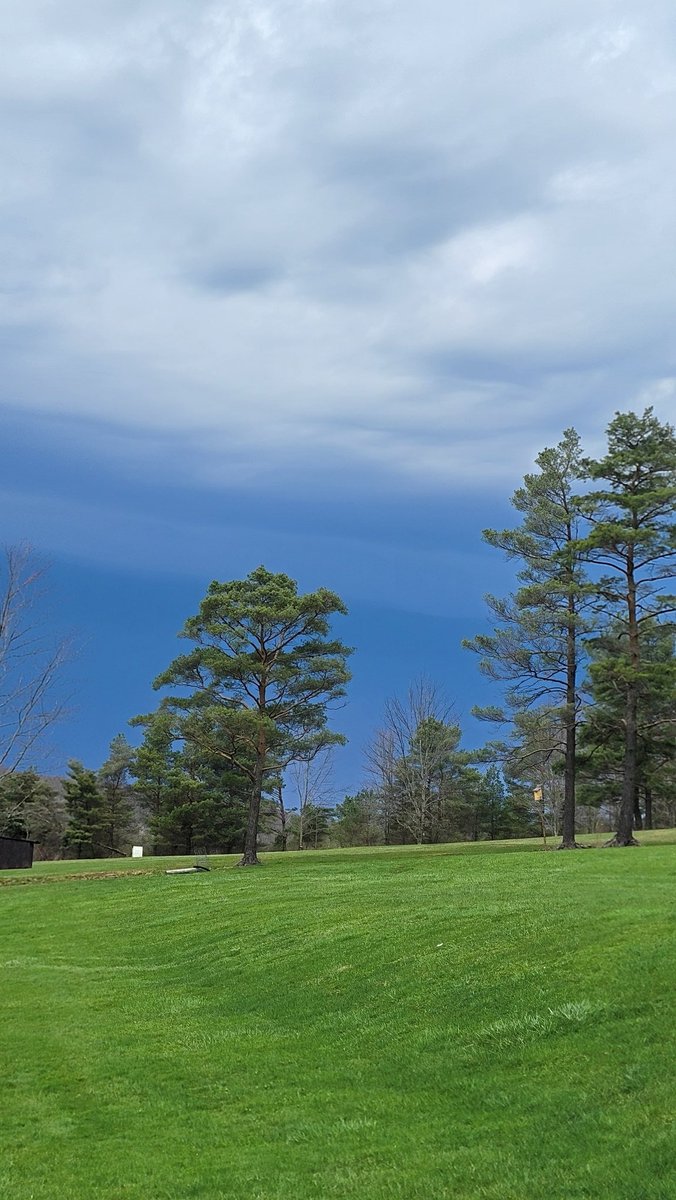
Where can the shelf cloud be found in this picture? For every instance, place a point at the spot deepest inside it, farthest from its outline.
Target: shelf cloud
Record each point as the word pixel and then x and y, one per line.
pixel 411 241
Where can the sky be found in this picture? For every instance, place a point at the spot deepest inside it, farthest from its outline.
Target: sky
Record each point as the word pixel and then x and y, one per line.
pixel 310 283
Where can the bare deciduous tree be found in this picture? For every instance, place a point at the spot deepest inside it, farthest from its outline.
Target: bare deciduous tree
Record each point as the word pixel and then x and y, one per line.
pixel 311 779
pixel 381 765
pixel 31 659
pixel 409 755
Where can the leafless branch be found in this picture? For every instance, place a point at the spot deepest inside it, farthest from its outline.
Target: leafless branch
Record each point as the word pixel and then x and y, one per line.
pixel 31 659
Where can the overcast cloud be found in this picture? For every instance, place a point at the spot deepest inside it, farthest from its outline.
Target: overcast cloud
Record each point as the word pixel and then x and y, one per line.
pixel 412 239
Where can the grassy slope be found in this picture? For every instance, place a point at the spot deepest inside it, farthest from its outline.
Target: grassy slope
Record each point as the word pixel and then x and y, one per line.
pixel 403 1023
pixel 75 868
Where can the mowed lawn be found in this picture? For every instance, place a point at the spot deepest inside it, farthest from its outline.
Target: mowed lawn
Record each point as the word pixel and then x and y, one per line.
pixel 443 1022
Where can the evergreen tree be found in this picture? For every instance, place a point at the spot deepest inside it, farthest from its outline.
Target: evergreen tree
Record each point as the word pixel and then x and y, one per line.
pixel 492 807
pixel 534 761
pixel 193 800
pixel 357 820
pixel 632 542
pixel 413 761
pixel 602 732
pixel 536 646
pixel 115 785
pixel 29 808
pixel 156 771
pixel 424 785
pixel 256 685
pixel 85 808
pixel 315 829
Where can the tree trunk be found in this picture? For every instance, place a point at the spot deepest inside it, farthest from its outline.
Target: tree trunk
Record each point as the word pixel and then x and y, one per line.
pixel 420 834
pixel 250 857
pixel 157 808
pixel 625 822
pixel 568 814
pixel 282 815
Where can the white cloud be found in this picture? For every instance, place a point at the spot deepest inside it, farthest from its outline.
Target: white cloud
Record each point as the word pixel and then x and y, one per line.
pixel 403 238
pixel 603 44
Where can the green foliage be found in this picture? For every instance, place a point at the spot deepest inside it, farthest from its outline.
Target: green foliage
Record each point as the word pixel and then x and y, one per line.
pixel 418 767
pixel 315 829
pixel 421 1023
pixel 192 801
pixel 493 815
pixel 156 771
pixel 358 820
pixel 85 806
pixel 424 775
pixel 601 736
pixel 254 689
pixel 536 646
pixel 114 780
pixel 529 648
pixel 425 786
pixel 30 808
pixel 535 760
pixel 624 533
pixel 632 544
pixel 633 516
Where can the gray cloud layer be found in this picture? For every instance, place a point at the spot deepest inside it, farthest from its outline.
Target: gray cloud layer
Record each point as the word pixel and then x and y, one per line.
pixel 416 239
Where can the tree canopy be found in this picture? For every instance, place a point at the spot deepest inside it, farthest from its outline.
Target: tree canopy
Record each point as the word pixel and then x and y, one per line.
pixel 256 686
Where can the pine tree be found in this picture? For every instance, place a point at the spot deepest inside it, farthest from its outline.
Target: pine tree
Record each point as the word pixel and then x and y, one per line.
pixel 115 786
pixel 256 685
pixel 602 731
pixel 536 646
pixel 632 543
pixel 413 760
pixel 491 806
pixel 193 800
pixel 357 820
pixel 85 808
pixel 29 808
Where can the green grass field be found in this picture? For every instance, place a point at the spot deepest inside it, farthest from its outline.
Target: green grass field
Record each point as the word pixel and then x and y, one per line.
pixel 417 1023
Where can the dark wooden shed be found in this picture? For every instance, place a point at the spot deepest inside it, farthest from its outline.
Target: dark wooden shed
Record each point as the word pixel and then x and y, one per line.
pixel 15 852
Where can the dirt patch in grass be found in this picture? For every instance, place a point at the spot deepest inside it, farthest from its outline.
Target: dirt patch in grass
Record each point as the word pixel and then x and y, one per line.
pixel 23 879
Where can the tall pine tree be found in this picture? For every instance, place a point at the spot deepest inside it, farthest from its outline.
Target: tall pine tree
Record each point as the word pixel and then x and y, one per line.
pixel 536 644
pixel 85 808
pixel 115 786
pixel 632 543
pixel 256 685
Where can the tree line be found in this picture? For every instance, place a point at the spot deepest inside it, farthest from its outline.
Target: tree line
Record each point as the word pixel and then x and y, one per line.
pixel 585 644
pixel 582 649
